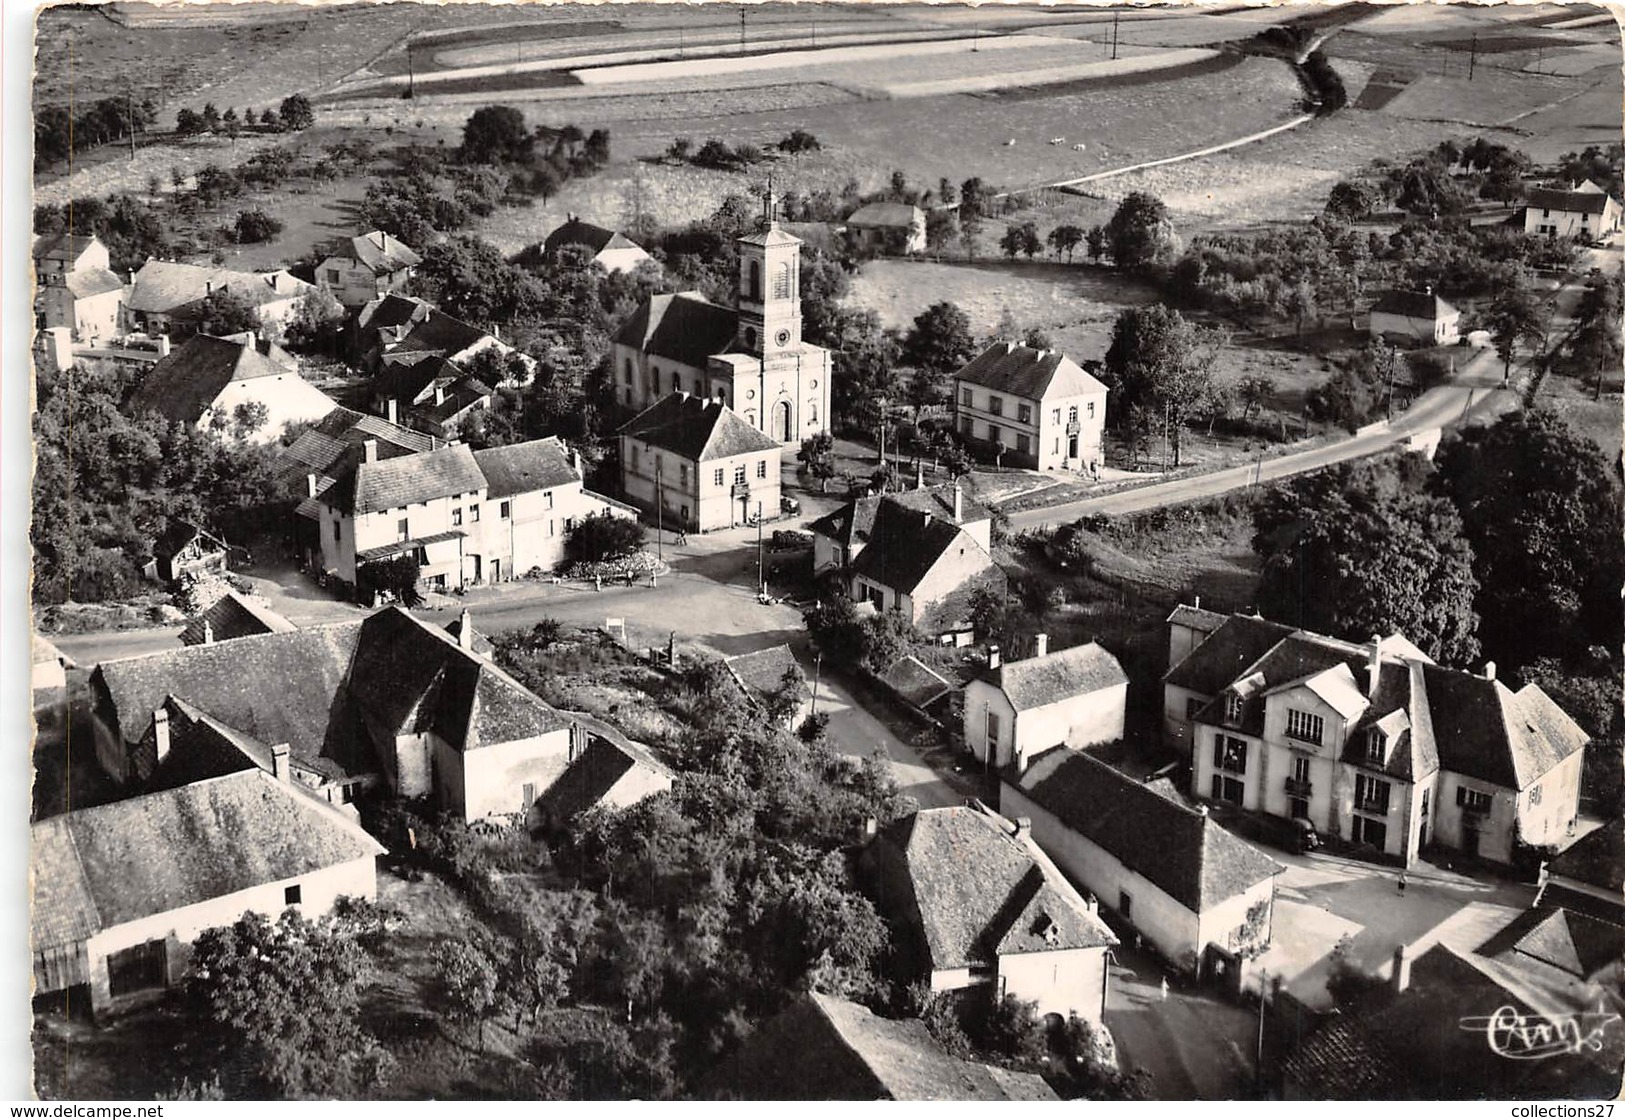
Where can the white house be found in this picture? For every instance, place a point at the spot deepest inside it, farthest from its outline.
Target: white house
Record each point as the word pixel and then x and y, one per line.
pixel 1415 318
pixel 1044 408
pixel 1587 212
pixel 977 902
pixel 371 266
pixel 50 665
pixel 1163 866
pixel 888 227
pixel 1016 710
pixel 76 288
pixel 750 358
pixel 925 566
pixel 166 296
pixel 122 890
pixel 839 536
pixel 762 674
pixel 614 251
pixel 698 465
pixel 214 383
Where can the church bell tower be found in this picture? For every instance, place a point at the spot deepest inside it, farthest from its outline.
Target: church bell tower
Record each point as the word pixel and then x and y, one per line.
pixel 768 289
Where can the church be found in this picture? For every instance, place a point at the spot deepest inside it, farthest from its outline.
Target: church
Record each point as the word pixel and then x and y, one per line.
pixel 750 357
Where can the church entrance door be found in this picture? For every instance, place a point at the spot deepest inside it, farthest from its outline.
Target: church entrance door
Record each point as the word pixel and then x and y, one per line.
pixel 781 422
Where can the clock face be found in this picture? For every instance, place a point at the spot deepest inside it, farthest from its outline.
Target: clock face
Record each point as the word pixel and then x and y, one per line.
pixel 782 338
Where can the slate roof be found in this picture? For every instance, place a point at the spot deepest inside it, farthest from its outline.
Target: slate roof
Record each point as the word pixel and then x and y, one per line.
pixel 161 852
pixel 168 287
pixel 886 215
pixel 1415 305
pixel 684 327
pixel 184 385
pixel 1059 675
pixel 1597 858
pixel 761 673
pixel 1190 857
pixel 904 545
pixel 383 253
pixel 1575 202
pixel 1400 691
pixel 62 246
pixel 823 1048
pixel 201 747
pixel 1021 371
pixel 1577 944
pixel 1486 731
pixel 393 310
pixel 438 333
pixel 915 681
pixel 87 282
pixel 393 483
pixel 1215 662
pixel 321 450
pixel 976 891
pixel 696 430
pixel 411 381
pixel 518 468
pixel 1196 618
pixel 479 643
pixel 234 616
pixel 577 232
pixel 853 522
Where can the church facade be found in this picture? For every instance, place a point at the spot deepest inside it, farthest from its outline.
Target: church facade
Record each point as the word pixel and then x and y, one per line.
pixel 750 357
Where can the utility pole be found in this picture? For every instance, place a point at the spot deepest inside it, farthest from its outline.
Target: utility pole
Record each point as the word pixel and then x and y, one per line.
pixel 818 669
pixel 760 582
pixel 129 109
pixel 1258 1058
pixel 1472 59
pixel 411 76
pixel 1115 17
pixel 741 31
pixel 660 517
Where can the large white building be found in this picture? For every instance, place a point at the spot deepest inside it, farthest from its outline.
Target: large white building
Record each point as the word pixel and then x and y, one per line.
pixel 1044 409
pixel 1587 212
pixel 750 358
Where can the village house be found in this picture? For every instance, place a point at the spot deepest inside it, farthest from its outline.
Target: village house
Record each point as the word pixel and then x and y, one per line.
pixel 122 890
pixel 1015 710
pixel 750 358
pixel 371 266
pixel 216 383
pixel 610 771
pixel 1375 743
pixel 336 709
pixel 825 1049
pixel 974 902
pixel 699 465
pixel 438 335
pixel 1043 408
pixel 432 395
pixel 233 616
pixel 165 296
pixel 1589 878
pixel 76 287
pixel 839 536
pixel 888 227
pixel 605 247
pixel 924 566
pixel 327 446
pixel 466 516
pixel 1586 212
pixel 382 323
pixel 1416 319
pixel 1199 894
pixel 49 665
pixel 763 675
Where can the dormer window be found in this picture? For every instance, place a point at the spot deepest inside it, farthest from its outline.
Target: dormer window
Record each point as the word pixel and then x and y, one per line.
pixel 1232 707
pixel 1375 747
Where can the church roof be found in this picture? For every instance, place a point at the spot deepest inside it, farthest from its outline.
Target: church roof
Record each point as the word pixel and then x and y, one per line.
pixel 685 327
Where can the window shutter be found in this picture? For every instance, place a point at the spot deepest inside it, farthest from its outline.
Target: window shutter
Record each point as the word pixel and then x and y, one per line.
pixel 1218 751
pixel 1461 795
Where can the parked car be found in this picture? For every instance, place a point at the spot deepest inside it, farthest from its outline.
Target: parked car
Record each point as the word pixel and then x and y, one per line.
pixel 788 504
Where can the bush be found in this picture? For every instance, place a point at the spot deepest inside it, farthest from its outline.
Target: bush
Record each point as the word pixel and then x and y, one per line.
pixel 603 537
pixel 255 226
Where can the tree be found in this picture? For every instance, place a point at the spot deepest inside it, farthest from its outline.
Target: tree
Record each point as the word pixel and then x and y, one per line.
pixel 285 998
pixel 317 322
pixel 818 455
pixel 940 341
pixel 248 418
pixel 295 113
pixel 254 226
pixel 188 123
pixel 975 199
pixel 211 117
pixel 604 537
pixel 223 311
pixel 1096 237
pixel 1594 343
pixel 1140 232
pixel 469 981
pixel 396 576
pixel 799 140
pixel 1351 200
pixel 496 134
pixel 1163 366
pixel 680 149
pixel 1021 239
pixel 1255 391
pixel 1361 550
pixel 1065 239
pixel 1541 508
pixel 1514 321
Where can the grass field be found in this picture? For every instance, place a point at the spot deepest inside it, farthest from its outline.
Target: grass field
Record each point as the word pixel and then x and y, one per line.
pixel 1599 420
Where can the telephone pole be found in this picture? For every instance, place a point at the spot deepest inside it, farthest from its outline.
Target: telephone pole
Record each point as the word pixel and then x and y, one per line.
pixel 1115 17
pixel 660 518
pixel 761 583
pixel 741 31
pixel 1472 59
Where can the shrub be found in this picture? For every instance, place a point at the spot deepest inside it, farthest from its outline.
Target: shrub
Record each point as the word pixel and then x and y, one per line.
pixel 255 226
pixel 603 537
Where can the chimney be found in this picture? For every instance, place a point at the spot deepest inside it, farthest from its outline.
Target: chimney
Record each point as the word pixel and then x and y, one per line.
pixel 993 659
pixel 575 461
pixel 208 287
pixel 925 519
pixel 163 346
pixel 310 486
pixel 131 273
pixel 1197 602
pixel 439 393
pixel 465 629
pixel 160 732
pixel 1374 670
pixel 1040 645
pixel 1091 903
pixel 919 476
pixel 496 332
pixel 1024 828
pixel 1402 969
pixel 392 411
pixel 1489 670
pixel 208 633
pixel 959 504
pixel 281 767
pixel 369 450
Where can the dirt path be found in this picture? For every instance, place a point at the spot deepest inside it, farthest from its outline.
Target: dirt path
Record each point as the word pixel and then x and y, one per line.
pixel 1213 150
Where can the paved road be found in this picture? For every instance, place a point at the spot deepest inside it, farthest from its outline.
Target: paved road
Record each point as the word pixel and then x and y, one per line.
pixel 1476 388
pixel 1194 1045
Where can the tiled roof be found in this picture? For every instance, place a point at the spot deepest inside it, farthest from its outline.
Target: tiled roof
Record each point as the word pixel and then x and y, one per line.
pixel 201 747
pixel 1196 618
pixel 321 450
pixel 685 327
pixel 383 253
pixel 975 887
pixel 1415 305
pixel 915 681
pixel 1400 692
pixel 87 282
pixel 1573 943
pixel 577 232
pixel 519 468
pixel 393 483
pixel 886 215
pixel 409 382
pixel 45 650
pixel 393 310
pixel 185 384
pixel 175 848
pixel 63 246
pixel 168 287
pixel 439 333
pixel 904 545
pixel 62 912
pixel 696 430
pixel 1597 858
pixel 479 643
pixel 234 616
pixel 823 1049
pixel 1486 731
pixel 1021 371
pixel 770 235
pixel 761 673
pixel 1188 856
pixel 1574 202
pixel 1057 676
pixel 1345 1061
pixel 1218 660
pixel 853 522
pixel 177 534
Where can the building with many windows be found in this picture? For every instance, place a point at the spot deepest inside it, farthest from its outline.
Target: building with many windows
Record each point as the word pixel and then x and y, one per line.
pixel 697 465
pixel 1043 408
pixel 1586 212
pixel 1374 743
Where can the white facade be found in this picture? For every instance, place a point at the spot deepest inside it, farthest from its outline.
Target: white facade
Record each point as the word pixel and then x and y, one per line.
pixel 1053 433
pixel 700 496
pixel 1443 331
pixel 1075 721
pixel 288 399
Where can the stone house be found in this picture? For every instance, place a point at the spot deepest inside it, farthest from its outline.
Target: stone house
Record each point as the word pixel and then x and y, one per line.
pixel 697 465
pixel 1016 710
pixel 924 566
pixel 1044 408
pixel 839 536
pixel 371 266
pixel 76 288
pixel 165 297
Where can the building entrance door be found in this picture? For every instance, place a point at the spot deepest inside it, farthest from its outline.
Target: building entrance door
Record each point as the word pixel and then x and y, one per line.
pixel 781 421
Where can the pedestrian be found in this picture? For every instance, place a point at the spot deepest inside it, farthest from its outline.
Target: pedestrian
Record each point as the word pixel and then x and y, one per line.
pixel 597 582
pixel 1401 882
pixel 1165 989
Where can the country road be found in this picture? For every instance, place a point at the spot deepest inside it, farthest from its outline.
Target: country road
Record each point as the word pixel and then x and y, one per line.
pixel 1476 388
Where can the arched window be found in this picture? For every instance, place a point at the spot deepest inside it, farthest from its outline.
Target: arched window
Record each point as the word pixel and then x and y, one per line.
pixel 1072 415
pixel 750 338
pixel 812 412
pixel 783 281
pixel 755 288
